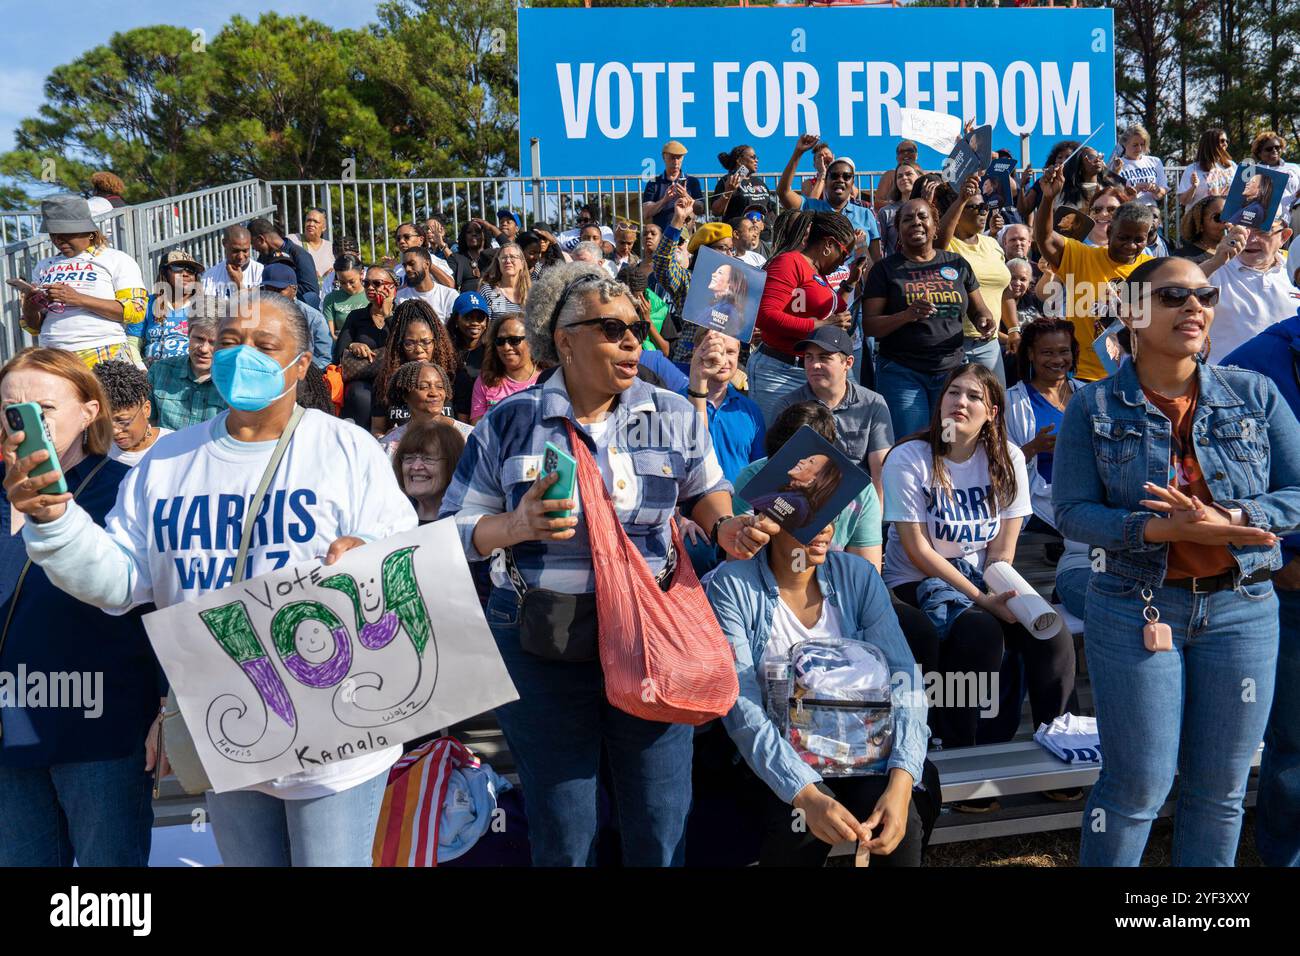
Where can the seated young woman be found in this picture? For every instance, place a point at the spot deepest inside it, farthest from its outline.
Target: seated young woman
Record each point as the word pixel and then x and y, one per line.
pixel 956 495
pixel 791 593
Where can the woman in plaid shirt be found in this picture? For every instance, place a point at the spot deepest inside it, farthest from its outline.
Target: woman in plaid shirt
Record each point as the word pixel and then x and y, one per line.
pixel 655 457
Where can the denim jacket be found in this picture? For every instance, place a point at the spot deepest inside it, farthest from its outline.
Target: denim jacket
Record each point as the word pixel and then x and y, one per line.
pixel 744 596
pixel 1112 440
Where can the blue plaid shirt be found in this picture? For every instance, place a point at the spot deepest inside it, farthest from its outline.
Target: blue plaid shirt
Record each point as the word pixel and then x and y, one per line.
pixel 655 455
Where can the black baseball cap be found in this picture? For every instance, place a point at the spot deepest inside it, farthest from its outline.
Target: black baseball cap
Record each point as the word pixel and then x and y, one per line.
pixel 832 338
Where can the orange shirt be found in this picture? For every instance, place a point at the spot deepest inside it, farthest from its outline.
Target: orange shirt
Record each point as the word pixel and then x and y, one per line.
pixel 1186 559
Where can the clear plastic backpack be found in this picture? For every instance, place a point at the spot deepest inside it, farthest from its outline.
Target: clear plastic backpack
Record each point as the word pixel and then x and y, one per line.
pixel 837 712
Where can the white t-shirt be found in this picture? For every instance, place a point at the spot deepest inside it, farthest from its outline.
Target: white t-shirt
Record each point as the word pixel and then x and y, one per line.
pixel 753 257
pixel 100 272
pixel 217 284
pixel 132 458
pixel 440 299
pixel 1220 177
pixel 1249 302
pixel 177 513
pixel 788 630
pixel 1149 171
pixel 958 520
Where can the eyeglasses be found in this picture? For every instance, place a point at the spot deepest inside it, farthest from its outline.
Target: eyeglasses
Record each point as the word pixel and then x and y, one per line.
pixel 187 270
pixel 979 210
pixel 407 235
pixel 409 344
pixel 514 341
pixel 845 176
pixel 616 329
pixel 428 461
pixel 510 258
pixel 123 424
pixel 376 283
pixel 1174 296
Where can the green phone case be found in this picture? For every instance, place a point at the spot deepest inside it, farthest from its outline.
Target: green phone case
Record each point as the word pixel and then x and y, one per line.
pixel 27 418
pixel 557 459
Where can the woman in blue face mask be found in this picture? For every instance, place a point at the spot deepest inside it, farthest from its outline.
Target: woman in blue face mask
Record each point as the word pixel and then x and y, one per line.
pixel 176 536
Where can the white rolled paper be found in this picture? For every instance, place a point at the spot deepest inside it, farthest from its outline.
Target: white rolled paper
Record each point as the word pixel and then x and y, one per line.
pixel 1037 616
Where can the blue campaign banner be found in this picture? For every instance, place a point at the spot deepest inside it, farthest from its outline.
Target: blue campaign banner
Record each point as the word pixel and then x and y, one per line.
pixel 603 89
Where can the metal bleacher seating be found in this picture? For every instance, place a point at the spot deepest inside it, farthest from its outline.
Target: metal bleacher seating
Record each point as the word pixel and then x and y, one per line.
pixel 1016 772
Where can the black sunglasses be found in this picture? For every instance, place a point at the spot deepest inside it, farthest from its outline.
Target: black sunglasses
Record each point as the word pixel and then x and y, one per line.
pixel 512 340
pixel 615 329
pixel 1174 296
pixel 979 210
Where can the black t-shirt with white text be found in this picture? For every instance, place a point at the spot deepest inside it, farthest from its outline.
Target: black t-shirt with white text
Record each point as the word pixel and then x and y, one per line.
pixel 934 345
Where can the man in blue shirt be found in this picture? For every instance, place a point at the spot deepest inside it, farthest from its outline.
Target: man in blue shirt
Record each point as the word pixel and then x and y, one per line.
pixel 1275 352
pixel 270 245
pixel 735 422
pixel 839 194
pixel 664 190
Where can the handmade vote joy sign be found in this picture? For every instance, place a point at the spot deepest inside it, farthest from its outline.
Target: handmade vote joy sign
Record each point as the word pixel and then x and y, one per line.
pixel 805 485
pixel 310 665
pixel 724 294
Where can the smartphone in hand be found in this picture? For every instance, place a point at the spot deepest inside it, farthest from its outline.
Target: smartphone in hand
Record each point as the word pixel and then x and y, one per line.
pixel 555 459
pixel 26 417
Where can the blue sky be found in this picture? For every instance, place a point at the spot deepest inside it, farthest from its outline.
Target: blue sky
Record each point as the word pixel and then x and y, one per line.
pixel 33 42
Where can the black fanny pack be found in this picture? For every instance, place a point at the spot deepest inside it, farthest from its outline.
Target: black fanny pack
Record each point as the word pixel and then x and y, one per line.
pixel 559 626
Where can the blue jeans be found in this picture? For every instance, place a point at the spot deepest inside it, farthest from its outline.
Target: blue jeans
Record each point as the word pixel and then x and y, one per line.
pixel 557 730
pixel 256 829
pixel 911 396
pixel 99 813
pixel 771 380
pixel 1277 812
pixel 1072 589
pixel 988 354
pixel 1199 710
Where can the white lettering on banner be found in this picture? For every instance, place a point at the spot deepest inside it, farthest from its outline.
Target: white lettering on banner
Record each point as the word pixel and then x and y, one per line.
pixel 626 109
pixel 800 110
pixel 723 97
pixel 848 94
pixel 1010 118
pixel 772 99
pixel 649 94
pixel 877 97
pixel 1026 96
pixel 678 98
pixel 575 104
pixel 1064 106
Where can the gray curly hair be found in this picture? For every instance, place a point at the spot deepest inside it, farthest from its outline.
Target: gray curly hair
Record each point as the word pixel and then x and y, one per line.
pixel 560 296
pixel 1134 211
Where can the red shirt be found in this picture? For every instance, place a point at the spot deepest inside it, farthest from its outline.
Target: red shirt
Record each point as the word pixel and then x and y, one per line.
pixel 785 317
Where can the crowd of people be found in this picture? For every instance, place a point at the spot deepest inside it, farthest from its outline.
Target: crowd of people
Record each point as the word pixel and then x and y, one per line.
pixel 950 341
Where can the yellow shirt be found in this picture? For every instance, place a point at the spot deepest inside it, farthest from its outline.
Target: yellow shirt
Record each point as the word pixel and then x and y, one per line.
pixel 1086 275
pixel 989 264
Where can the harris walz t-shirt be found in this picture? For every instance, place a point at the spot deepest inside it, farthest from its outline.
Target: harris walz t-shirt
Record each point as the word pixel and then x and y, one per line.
pixel 934 345
pixel 959 519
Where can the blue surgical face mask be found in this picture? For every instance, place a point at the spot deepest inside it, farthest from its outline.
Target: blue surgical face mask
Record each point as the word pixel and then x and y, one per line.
pixel 247 379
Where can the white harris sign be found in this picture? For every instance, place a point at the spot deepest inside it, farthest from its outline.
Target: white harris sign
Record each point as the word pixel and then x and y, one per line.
pixel 308 665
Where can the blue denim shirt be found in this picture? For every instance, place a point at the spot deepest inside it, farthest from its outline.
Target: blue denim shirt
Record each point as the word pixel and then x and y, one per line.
pixel 1112 440
pixel 744 596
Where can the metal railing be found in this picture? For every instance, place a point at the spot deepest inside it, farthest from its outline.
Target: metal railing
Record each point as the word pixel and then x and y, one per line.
pixel 193 221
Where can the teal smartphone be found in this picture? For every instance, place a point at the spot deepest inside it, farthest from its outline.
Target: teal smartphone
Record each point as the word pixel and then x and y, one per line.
pixel 556 459
pixel 26 417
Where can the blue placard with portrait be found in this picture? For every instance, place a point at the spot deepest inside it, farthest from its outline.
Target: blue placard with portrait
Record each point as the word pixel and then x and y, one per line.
pixel 805 486
pixel 724 294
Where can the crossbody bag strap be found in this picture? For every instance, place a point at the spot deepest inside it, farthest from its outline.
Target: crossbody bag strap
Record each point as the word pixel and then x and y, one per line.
pixel 22 576
pixel 246 535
